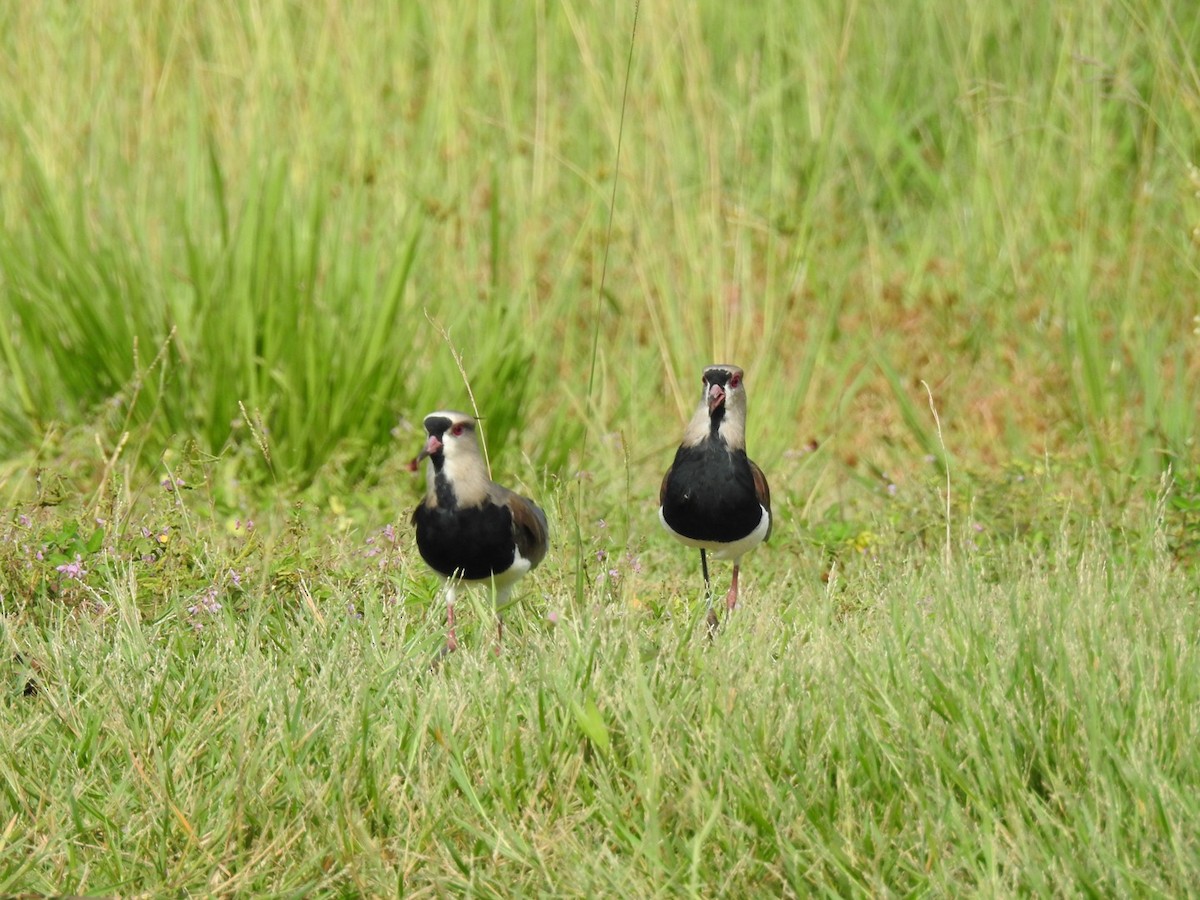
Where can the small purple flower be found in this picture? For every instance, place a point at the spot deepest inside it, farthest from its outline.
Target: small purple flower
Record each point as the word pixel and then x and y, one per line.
pixel 891 489
pixel 236 577
pixel 389 533
pixel 73 570
pixel 24 520
pixel 206 604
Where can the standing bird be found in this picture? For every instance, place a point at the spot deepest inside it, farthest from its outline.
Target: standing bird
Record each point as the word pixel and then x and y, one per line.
pixel 470 529
pixel 713 497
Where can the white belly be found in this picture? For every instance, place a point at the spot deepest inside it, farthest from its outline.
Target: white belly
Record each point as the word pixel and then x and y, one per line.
pixel 721 550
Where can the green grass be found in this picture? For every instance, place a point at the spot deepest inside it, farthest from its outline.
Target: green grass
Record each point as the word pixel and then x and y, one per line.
pixel 1024 722
pixel 244 250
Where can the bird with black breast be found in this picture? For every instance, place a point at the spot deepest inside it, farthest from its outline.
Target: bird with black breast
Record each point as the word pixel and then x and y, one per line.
pixel 471 530
pixel 714 497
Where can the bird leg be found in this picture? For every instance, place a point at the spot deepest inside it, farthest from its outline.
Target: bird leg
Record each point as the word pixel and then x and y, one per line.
pixel 731 597
pixel 711 618
pixel 500 602
pixel 451 640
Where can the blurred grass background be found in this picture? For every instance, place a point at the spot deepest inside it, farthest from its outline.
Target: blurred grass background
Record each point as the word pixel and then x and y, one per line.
pixel 273 204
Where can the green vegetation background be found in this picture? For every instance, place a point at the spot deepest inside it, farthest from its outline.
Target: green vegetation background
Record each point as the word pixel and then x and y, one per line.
pixel 240 247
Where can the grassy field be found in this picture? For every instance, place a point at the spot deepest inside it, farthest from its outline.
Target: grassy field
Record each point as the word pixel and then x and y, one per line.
pixel 244 249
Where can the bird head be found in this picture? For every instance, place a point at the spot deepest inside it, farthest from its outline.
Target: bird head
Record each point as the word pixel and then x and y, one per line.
pixel 722 410
pixel 457 472
pixel 724 392
pixel 450 438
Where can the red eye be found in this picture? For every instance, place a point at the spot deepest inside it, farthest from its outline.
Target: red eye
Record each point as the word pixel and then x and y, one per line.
pixel 457 430
pixel 735 381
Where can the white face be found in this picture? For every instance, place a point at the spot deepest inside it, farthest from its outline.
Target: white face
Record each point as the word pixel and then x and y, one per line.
pixel 722 406
pixel 453 453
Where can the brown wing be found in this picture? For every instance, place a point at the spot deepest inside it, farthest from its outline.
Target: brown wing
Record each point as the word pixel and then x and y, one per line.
pixel 763 491
pixel 530 529
pixel 662 490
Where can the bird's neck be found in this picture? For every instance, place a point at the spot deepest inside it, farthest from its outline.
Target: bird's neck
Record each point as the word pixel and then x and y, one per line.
pixel 443 490
pixel 718 427
pixel 715 419
pixel 457 483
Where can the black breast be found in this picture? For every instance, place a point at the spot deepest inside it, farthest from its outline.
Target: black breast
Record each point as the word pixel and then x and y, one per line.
pixel 709 494
pixel 475 542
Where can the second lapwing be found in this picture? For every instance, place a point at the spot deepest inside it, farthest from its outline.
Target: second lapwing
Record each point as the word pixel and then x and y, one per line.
pixel 713 496
pixel 471 530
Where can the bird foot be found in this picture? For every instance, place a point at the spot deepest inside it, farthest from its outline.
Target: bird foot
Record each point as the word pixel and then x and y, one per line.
pixel 713 623
pixel 446 650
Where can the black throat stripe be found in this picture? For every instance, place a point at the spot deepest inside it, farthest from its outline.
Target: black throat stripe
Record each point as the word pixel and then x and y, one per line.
pixel 715 418
pixel 443 489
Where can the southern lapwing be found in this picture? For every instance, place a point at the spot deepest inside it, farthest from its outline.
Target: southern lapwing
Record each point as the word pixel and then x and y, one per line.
pixel 471 530
pixel 713 497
